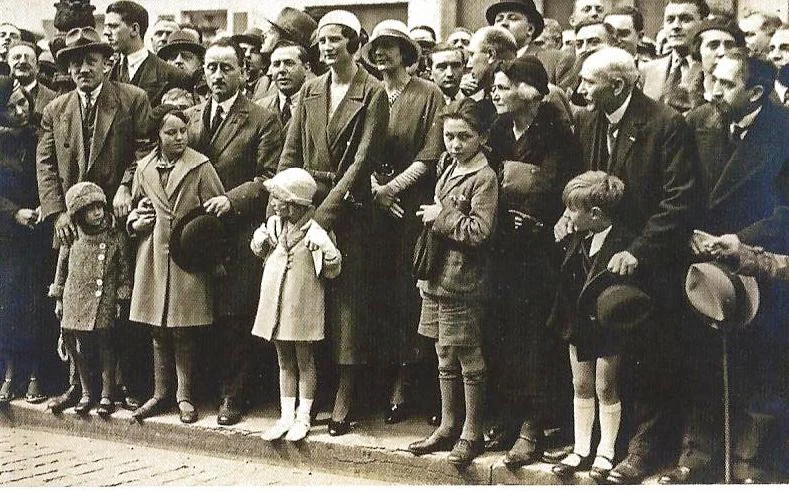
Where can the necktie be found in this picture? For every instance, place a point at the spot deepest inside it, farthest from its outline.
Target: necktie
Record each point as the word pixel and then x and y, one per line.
pixel 86 115
pixel 786 98
pixel 738 132
pixel 87 125
pixel 611 135
pixel 218 118
pixel 675 75
pixel 286 113
pixel 123 70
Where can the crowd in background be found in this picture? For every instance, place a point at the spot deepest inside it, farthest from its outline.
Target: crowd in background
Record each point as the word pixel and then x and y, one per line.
pixel 521 233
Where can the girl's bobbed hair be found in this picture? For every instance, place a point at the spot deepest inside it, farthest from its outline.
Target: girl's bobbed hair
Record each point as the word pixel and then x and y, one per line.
pixel 472 112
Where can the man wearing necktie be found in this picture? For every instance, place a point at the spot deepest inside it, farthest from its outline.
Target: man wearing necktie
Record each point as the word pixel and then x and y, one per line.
pixel 243 142
pixel 447 64
pixel 743 146
pixel 289 68
pixel 651 152
pixel 89 134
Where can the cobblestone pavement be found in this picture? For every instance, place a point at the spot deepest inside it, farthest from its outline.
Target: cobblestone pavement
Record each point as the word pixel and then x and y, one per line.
pixel 35 458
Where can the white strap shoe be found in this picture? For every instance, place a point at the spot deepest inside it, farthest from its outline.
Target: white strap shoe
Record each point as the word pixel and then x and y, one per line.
pixel 279 429
pixel 298 430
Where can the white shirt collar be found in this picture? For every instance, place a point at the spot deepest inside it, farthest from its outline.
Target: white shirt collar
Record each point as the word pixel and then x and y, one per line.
pixel 746 121
pixel 226 105
pixel 475 164
pixel 281 98
pixel 32 85
pixel 135 60
pixel 781 89
pixel 615 117
pixel 597 241
pixel 94 95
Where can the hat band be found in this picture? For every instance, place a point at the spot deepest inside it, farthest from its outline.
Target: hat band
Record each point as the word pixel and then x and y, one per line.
pixel 279 190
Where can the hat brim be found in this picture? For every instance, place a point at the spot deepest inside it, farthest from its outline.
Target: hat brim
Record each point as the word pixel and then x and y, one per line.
pixel 408 47
pixel 183 255
pixel 533 15
pixel 169 49
pixel 246 38
pixel 65 54
pixel 296 37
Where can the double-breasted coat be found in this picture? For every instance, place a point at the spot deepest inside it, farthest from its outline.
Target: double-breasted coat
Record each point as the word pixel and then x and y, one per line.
pixel 341 151
pixel 164 294
pixel 244 151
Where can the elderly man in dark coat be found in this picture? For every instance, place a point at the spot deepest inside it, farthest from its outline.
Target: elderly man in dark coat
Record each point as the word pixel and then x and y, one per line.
pixel 743 143
pixel 649 147
pixel 243 142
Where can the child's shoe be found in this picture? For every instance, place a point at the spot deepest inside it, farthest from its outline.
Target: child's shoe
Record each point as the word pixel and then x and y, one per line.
pixel 106 407
pixel 465 451
pixel 298 430
pixel 34 394
pixel 83 405
pixel 5 393
pixel 279 429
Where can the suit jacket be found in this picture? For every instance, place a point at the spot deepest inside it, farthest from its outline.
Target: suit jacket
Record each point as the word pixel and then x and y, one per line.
pixel 122 120
pixel 155 76
pixel 655 157
pixel 654 75
pixel 42 96
pixel 556 62
pixel 244 151
pixel 271 103
pixel 744 185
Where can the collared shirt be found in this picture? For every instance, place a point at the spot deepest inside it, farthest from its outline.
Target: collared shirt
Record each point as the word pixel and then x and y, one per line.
pixel 135 61
pixel 94 95
pixel 32 86
pixel 616 117
pixel 456 97
pixel 476 163
pixel 745 122
pixel 282 98
pixel 226 105
pixel 685 62
pixel 782 91
pixel 165 168
pixel 597 241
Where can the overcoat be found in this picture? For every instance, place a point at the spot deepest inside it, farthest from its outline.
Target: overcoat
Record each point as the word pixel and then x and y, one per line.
pixel 292 300
pixel 122 120
pixel 92 275
pixel 164 294
pixel 341 152
pixel 244 151
pixel 155 76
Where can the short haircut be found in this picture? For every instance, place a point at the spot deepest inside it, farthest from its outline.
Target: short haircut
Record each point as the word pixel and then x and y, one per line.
pixel 633 13
pixel 701 6
pixel 131 13
pixel 755 70
pixel 499 40
pixel 552 28
pixel 462 29
pixel 32 46
pixel 470 111
pixel 614 63
pixel 193 28
pixel 425 28
pixel 610 32
pixel 287 43
pixel 228 42
pixel 177 93
pixel 440 47
pixel 593 189
pixel 770 22
pixel 12 25
pixel 353 39
pixel 160 112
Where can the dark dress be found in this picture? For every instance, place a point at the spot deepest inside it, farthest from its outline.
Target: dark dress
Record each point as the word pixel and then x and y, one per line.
pixel 414 134
pixel 24 253
pixel 526 259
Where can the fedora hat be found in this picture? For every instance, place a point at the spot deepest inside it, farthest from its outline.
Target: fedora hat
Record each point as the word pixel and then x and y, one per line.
pixel 181 40
pixel 295 25
pixel 527 7
pixel 81 40
pixel 393 29
pixel 253 36
pixel 623 308
pixel 198 241
pixel 723 298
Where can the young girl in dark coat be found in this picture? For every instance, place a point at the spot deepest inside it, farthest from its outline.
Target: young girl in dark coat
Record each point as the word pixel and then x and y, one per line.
pixel 454 292
pixel 92 277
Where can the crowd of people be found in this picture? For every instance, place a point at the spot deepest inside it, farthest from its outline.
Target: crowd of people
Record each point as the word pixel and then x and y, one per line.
pixel 556 224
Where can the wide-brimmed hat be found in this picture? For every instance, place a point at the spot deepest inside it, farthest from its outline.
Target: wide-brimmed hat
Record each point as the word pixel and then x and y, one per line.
pixel 82 40
pixel 715 24
pixel 295 25
pixel 397 30
pixel 724 299
pixel 293 185
pixel 181 40
pixel 527 7
pixel 342 18
pixel 199 241
pixel 83 194
pixel 253 36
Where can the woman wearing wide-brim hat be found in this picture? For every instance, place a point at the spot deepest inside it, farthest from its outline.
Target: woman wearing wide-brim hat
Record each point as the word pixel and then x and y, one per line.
pixel 402 181
pixel 337 134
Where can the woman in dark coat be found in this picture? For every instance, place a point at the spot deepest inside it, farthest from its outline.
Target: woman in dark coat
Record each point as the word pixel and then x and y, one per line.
pixel 402 182
pixel 337 134
pixel 24 246
pixel 539 154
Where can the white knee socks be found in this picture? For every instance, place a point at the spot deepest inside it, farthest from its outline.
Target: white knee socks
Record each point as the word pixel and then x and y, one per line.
pixel 305 407
pixel 610 416
pixel 583 419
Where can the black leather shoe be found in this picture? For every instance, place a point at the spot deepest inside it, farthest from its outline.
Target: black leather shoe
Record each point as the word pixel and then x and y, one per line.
pixel 563 470
pixel 432 444
pixel 339 428
pixel 525 451
pixel 598 473
pixel 229 412
pixel 556 455
pixel 631 470
pixel 68 399
pixel 745 473
pixel 125 400
pixel 683 475
pixel 187 412
pixel 499 438
pixel 396 413
pixel 152 407
pixel 83 406
pixel 464 452
pixel 106 407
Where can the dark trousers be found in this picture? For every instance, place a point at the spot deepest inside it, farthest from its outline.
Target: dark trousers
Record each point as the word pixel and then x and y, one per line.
pixel 82 347
pixel 173 349
pixel 237 347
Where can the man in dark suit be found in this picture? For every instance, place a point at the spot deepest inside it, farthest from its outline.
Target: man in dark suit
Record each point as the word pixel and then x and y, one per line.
pixel 124 27
pixel 23 60
pixel 88 134
pixel 289 68
pixel 743 143
pixel 244 142
pixel 649 147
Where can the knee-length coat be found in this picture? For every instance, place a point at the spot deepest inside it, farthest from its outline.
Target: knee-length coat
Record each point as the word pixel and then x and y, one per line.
pixel 341 151
pixel 164 294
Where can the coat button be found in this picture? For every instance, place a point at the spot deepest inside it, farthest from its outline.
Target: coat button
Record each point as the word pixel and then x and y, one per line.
pixel 103 246
pixel 101 257
pixel 97 293
pixel 99 282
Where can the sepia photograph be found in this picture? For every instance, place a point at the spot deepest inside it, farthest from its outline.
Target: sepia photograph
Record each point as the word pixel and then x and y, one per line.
pixel 380 243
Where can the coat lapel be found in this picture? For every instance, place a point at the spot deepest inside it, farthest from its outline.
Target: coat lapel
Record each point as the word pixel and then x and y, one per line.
pixel 316 105
pixel 629 133
pixel 229 127
pixel 72 124
pixel 350 106
pixel 150 176
pixel 106 107
pixel 190 160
